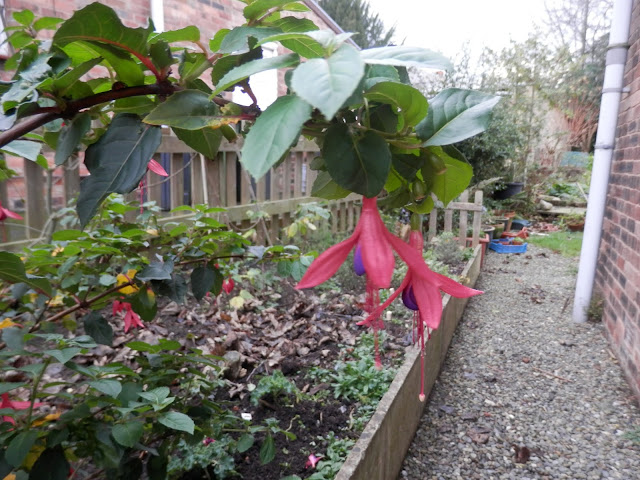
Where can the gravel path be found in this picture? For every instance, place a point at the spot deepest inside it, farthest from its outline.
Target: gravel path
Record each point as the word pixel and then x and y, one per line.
pixel 523 382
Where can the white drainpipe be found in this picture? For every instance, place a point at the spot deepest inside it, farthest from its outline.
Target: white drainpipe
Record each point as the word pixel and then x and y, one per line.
pixel 157 15
pixel 612 90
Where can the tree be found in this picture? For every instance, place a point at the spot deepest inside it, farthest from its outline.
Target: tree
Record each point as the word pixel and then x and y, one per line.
pixel 356 16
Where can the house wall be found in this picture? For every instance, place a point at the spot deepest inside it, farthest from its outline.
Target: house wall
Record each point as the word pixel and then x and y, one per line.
pixel 618 273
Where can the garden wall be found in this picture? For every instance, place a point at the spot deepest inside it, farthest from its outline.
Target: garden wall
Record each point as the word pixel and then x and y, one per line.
pixel 618 274
pixel 380 451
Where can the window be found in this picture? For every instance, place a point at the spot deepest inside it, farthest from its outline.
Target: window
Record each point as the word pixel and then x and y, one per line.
pixel 264 84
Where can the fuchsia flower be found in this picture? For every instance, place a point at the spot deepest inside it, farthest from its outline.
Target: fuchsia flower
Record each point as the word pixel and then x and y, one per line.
pixel 374 257
pixel 15 405
pixel 227 285
pixel 131 318
pixel 6 213
pixel 312 461
pixel 155 167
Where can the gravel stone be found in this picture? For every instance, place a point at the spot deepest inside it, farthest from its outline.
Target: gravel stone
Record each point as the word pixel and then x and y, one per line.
pixel 532 378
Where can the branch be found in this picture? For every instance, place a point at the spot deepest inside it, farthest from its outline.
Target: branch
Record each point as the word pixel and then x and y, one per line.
pixel 48 114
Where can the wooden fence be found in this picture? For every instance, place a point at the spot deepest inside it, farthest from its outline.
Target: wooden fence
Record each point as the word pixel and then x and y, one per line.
pixel 193 179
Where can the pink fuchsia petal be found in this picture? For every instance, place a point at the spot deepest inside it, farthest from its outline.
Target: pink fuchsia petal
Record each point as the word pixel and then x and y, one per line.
pixel 227 285
pixel 132 319
pixel 429 303
pixel 155 167
pixel 312 461
pixel 15 405
pixel 420 270
pixel 377 255
pixel 328 263
pixel 5 213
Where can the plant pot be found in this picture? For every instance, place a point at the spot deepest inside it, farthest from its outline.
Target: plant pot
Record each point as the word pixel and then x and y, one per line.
pixel 489 230
pixel 518 224
pixel 510 189
pixel 498 230
pixel 576 227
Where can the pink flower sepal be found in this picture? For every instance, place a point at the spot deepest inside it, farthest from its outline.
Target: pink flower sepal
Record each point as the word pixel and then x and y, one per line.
pixel 312 461
pixel 6 213
pixel 15 405
pixel 131 318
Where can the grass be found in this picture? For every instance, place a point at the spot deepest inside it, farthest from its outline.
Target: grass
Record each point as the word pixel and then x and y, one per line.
pixel 567 244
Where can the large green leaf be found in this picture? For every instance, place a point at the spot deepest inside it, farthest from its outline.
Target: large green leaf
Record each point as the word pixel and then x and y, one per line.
pixel 19 447
pixel 127 70
pixel 177 421
pixel 186 34
pixel 273 134
pixel 325 187
pixel 411 103
pixel 238 40
pixel 448 185
pixel 360 165
pixel 23 148
pixel 454 115
pixel 326 83
pixel 29 79
pixel 260 7
pixel 188 110
pixel 205 279
pixel 98 328
pixel 50 465
pixel 405 57
pixel 205 141
pixel 117 162
pixel 256 66
pixel 12 271
pixel 303 46
pixel 128 434
pixel 97 23
pixel 70 137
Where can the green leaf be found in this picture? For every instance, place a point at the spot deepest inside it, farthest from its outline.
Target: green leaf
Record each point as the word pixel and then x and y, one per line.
pixel 188 109
pixel 12 270
pixel 144 304
pixel 205 141
pixel 161 54
pixel 64 355
pixel 245 70
pixel 23 148
pixel 186 34
pixel 326 83
pixel 405 57
pixel 359 165
pixel 47 23
pixel 267 450
pixel 175 288
pixel 24 17
pixel 454 115
pixel 117 162
pixel 245 442
pixel 156 271
pixel 67 80
pixel 453 181
pixel 20 446
pixel 50 465
pixel 325 187
pixel 108 387
pixel 302 45
pixel 258 8
pixel 157 395
pixel 177 421
pixel 8 386
pixel 274 132
pixel 405 98
pixel 127 70
pixel 70 137
pixel 65 235
pixel 97 23
pixel 128 434
pixel 98 328
pixel 204 279
pixel 238 40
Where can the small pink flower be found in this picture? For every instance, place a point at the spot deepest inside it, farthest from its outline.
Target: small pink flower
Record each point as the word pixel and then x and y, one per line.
pixel 227 285
pixel 15 405
pixel 131 318
pixel 312 461
pixel 208 441
pixel 6 213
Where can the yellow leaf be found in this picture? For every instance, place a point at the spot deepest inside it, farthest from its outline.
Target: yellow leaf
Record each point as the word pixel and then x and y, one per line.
pixel 237 302
pixel 56 251
pixel 123 278
pixel 11 476
pixel 6 323
pixel 152 231
pixel 48 418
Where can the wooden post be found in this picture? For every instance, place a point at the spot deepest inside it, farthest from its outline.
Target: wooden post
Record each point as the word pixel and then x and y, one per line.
pixel 198 179
pixel 213 172
pixel 231 179
pixel 298 160
pixel 477 218
pixel 462 230
pixel 35 208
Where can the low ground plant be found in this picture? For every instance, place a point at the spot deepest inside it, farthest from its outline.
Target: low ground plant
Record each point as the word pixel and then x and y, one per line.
pixel 567 244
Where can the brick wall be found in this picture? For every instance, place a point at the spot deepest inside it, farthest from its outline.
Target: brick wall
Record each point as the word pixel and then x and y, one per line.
pixel 618 274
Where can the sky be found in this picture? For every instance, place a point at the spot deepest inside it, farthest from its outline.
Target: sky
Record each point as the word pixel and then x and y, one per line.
pixel 445 25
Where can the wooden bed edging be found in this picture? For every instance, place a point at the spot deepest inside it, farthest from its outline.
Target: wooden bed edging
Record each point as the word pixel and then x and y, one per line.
pixel 383 444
